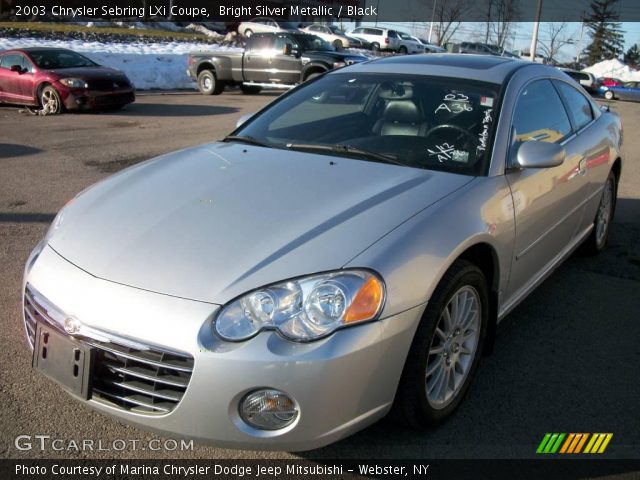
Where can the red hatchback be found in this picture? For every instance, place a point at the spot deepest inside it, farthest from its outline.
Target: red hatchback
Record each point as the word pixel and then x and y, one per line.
pixel 609 82
pixel 57 79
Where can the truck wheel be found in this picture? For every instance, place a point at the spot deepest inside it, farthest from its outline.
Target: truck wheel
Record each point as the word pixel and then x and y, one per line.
pixel 313 75
pixel 250 89
pixel 208 84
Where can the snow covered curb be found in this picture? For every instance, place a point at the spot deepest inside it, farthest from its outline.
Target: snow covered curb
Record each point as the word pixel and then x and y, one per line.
pixel 160 66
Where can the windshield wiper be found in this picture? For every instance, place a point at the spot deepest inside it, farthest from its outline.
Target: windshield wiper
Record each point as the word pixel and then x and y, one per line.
pixel 245 139
pixel 341 149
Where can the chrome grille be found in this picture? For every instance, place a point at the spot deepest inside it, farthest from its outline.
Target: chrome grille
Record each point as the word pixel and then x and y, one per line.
pixel 144 380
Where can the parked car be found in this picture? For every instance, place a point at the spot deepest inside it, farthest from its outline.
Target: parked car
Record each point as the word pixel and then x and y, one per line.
pixel 265 24
pixel 271 60
pixel 609 82
pixel 378 38
pixel 409 44
pixel 627 91
pixel 586 79
pixel 334 36
pixel 349 248
pixel 58 79
pixel 430 47
pixel 476 48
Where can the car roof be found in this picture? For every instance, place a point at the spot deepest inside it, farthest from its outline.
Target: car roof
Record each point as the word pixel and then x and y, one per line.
pixel 487 68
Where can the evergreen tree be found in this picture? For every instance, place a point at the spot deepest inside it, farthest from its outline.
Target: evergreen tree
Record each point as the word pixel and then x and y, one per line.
pixel 632 57
pixel 606 36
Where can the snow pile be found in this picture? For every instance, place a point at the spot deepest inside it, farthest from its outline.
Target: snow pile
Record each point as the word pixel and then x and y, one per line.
pixel 614 68
pixel 148 65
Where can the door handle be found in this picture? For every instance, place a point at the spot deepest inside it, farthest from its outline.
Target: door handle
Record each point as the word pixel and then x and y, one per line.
pixel 582 167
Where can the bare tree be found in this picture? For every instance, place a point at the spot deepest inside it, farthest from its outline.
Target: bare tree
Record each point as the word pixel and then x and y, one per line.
pixel 448 17
pixel 557 36
pixel 504 13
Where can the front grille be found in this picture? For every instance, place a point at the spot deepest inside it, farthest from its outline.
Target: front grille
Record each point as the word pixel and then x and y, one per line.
pixel 108 85
pixel 144 380
pixel 114 99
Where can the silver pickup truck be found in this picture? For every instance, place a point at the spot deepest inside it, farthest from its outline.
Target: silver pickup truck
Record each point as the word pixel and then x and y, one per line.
pixel 270 60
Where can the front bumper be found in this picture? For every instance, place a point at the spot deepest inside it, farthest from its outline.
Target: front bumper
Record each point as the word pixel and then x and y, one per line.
pixel 341 384
pixel 86 99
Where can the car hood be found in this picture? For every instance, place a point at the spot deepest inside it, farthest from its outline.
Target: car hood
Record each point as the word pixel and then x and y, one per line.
pixel 89 73
pixel 212 222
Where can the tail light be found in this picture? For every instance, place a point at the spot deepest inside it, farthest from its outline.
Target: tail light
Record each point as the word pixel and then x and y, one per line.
pixel 386 40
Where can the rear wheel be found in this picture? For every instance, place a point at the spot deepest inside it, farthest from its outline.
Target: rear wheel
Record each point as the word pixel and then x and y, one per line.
pixel 375 46
pixel 597 240
pixel 208 84
pixel 50 101
pixel 313 75
pixel 608 95
pixel 338 44
pixel 248 32
pixel 446 348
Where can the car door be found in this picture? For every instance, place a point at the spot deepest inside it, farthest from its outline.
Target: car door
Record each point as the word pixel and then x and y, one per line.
pixel 11 83
pixel 285 68
pixel 634 91
pixel 546 203
pixel 257 58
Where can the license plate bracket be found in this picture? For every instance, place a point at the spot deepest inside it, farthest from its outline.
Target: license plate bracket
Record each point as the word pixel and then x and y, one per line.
pixel 64 360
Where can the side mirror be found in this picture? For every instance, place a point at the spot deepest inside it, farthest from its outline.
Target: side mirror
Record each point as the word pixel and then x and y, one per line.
pixel 535 154
pixel 16 68
pixel 244 118
pixel 288 49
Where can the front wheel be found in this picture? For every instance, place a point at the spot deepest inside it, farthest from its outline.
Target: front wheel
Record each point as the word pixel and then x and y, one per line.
pixel 50 101
pixel 597 240
pixel 208 84
pixel 402 50
pixel 338 45
pixel 608 95
pixel 446 349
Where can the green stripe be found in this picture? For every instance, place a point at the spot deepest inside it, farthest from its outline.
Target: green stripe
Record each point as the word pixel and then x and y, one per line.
pixel 552 440
pixel 558 442
pixel 543 443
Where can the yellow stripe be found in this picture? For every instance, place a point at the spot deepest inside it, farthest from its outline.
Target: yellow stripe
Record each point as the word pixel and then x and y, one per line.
pixel 567 442
pixel 591 442
pixel 605 443
pixel 595 447
pixel 584 439
pixel 575 442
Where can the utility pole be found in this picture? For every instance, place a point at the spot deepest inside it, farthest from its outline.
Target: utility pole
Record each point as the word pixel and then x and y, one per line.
pixel 534 37
pixel 433 16
pixel 580 43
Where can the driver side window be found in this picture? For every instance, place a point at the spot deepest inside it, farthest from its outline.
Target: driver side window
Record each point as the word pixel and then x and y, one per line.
pixel 540 115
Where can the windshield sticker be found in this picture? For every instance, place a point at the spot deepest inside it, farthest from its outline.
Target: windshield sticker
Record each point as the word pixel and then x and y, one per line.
pixel 483 138
pixel 455 103
pixel 446 151
pixel 486 101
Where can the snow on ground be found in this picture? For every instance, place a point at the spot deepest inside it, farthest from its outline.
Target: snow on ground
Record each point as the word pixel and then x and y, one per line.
pixel 614 68
pixel 148 65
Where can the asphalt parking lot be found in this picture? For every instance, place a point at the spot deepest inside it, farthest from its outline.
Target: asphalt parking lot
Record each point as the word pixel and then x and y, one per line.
pixel 566 360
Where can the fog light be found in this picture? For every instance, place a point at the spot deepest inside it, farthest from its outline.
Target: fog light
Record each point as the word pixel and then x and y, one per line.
pixel 268 410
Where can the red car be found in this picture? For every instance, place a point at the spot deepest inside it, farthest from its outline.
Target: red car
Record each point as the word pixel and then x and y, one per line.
pixel 57 79
pixel 609 82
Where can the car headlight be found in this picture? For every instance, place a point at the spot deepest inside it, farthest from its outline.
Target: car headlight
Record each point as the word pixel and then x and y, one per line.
pixel 304 309
pixel 74 83
pixel 338 64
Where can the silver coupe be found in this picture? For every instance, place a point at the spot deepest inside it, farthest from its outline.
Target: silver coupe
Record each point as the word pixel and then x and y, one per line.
pixel 348 249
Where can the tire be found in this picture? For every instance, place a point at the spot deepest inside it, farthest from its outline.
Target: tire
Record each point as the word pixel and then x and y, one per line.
pixel 375 46
pixel 608 95
pixel 208 84
pixel 250 90
pixel 248 32
pixel 338 45
pixel 313 75
pixel 402 50
pixel 50 101
pixel 597 239
pixel 440 348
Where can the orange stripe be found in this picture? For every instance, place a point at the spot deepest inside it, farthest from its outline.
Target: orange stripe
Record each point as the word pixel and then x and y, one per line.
pixel 575 442
pixel 605 443
pixel 584 439
pixel 567 442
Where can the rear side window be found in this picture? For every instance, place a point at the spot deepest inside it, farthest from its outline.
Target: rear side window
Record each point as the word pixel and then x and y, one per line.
pixel 393 34
pixel 540 114
pixel 579 107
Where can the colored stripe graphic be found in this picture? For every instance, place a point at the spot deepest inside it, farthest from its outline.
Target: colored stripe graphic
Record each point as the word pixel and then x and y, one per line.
pixel 573 443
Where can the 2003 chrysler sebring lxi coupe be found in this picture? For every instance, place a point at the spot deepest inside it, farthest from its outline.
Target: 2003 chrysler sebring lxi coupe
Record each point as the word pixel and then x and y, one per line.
pixel 349 248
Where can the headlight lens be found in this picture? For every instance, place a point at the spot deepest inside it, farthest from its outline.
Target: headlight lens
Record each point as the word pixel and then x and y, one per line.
pixel 338 64
pixel 74 83
pixel 304 309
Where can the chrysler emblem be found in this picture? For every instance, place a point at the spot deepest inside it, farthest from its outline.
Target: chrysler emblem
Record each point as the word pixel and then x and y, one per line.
pixel 71 325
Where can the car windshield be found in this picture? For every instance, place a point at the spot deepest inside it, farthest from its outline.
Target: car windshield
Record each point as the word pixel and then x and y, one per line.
pixel 336 30
pixel 405 36
pixel 312 42
pixel 52 59
pixel 414 120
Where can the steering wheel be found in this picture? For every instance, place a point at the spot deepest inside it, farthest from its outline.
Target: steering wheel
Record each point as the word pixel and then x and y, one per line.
pixel 448 126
